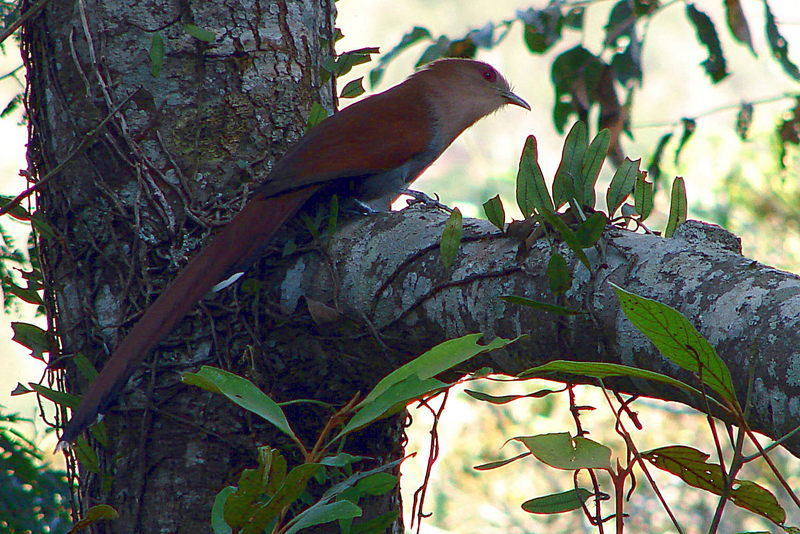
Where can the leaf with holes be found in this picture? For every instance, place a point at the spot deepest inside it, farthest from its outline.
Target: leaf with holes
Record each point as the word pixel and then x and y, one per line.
pixel 743 120
pixel 562 451
pixel 714 65
pixel 778 45
pixel 690 465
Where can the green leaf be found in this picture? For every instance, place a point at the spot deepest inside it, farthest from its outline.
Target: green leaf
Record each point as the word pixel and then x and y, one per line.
pixel 242 392
pixel 532 191
pixel 569 170
pixel 86 455
pixel 85 367
pixel 256 485
pixel 714 65
pixel 416 34
pixel 100 512
pixel 500 463
pixel 643 196
pixel 353 89
pixel 690 466
pixel 544 306
pixel 678 341
pixel 378 524
pixel 439 359
pixel 218 524
pixel 317 115
pixel 603 370
pixel 41 226
pixel 558 274
pixel 156 54
pixel 621 185
pixel 654 169
pixel 495 212
pixel 779 45
pixel 557 503
pixel 28 294
pixel 434 51
pixel 59 397
pixel 738 23
pixel 505 399
pixel 32 337
pixel 590 171
pixel 689 127
pixel 376 484
pixel 333 215
pixel 621 22
pixel 627 65
pixel 200 33
pixel 591 230
pixel 677 207
pixel 345 61
pixel 562 451
pixel 17 212
pixel 319 514
pixel 414 379
pixel 342 459
pixel 290 490
pixel 451 238
pixel 568 236
pixel 743 120
pixel 542 27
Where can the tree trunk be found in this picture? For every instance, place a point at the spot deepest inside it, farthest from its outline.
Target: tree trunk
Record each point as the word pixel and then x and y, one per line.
pixel 748 311
pixel 156 120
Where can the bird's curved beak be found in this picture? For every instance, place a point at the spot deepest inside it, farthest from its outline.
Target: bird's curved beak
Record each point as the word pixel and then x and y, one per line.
pixel 512 98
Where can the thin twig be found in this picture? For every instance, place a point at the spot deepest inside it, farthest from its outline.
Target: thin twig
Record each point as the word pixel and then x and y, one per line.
pixel 87 139
pixel 31 12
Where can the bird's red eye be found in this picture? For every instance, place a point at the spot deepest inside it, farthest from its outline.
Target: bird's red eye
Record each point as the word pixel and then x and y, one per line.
pixel 489 75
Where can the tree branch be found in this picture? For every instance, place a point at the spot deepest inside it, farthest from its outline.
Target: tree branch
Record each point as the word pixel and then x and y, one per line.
pixel 389 268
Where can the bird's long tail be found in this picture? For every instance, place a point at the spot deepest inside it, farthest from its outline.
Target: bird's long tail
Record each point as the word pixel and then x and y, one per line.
pixel 241 239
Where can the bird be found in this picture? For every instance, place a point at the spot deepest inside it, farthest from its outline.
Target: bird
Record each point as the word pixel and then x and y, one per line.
pixel 371 150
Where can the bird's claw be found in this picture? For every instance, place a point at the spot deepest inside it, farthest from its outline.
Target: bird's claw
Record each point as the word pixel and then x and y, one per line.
pixel 418 197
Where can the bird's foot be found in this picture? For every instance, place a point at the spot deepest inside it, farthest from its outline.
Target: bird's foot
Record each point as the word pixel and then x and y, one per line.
pixel 418 197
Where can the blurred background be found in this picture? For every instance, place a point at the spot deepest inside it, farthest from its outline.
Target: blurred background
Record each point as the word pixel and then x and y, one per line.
pixel 748 186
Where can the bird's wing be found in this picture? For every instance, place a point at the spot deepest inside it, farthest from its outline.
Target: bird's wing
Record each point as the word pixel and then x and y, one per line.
pixel 369 137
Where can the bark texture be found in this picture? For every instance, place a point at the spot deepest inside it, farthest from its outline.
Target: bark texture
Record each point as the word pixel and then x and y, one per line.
pixel 150 124
pixel 748 311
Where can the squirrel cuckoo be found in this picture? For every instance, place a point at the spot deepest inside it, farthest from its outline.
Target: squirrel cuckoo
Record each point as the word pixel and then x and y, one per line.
pixel 372 149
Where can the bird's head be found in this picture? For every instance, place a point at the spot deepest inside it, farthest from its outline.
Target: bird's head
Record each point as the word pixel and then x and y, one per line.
pixel 462 91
